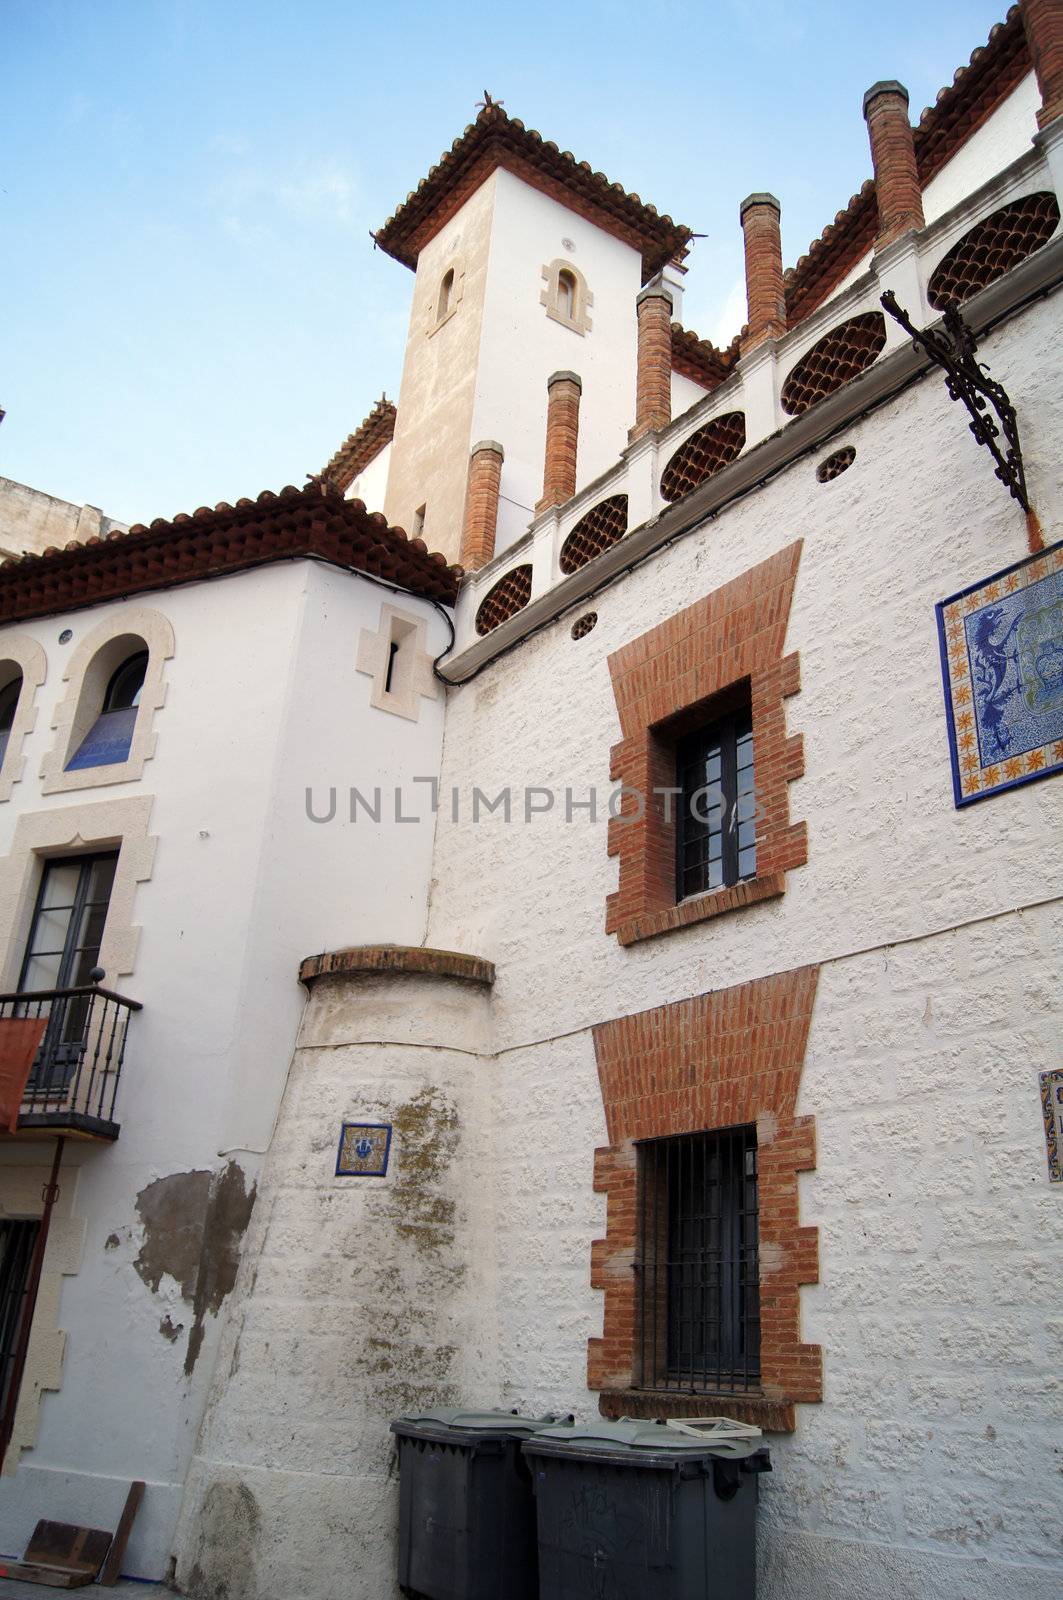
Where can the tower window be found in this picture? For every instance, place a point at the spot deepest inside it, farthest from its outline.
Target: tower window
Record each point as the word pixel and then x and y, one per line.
pixel 566 296
pixel 446 295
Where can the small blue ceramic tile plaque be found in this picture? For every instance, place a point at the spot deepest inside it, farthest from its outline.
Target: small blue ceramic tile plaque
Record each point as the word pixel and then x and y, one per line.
pixel 1002 662
pixel 364 1149
pixel 1052 1106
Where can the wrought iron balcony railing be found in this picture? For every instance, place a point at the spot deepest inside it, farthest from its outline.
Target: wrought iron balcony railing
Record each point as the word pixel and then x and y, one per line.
pixel 73 1083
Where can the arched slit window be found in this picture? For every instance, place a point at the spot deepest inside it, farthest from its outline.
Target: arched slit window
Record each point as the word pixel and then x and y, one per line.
pixel 9 696
pixel 566 295
pixel 446 295
pixel 111 735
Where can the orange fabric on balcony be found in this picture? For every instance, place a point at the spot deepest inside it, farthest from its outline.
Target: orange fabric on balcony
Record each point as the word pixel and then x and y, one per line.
pixel 20 1039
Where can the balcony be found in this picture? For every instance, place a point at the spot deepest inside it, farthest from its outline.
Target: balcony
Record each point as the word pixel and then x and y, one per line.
pixel 73 1083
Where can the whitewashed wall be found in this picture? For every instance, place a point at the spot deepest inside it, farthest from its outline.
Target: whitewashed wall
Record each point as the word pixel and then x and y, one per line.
pixel 360 1298
pixel 931 1194
pixel 263 699
pixel 371 483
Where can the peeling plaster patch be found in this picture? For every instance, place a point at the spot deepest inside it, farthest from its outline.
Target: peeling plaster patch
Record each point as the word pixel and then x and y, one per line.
pixel 193 1224
pixel 171 1330
pixel 111 1242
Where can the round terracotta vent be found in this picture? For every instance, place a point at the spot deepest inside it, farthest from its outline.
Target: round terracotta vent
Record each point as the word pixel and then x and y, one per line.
pixel 993 247
pixel 602 526
pixel 704 454
pixel 835 465
pixel 509 595
pixel 833 361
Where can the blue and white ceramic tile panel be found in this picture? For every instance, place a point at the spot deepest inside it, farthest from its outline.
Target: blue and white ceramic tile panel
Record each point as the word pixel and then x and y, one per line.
pixel 363 1151
pixel 1002 662
pixel 1052 1106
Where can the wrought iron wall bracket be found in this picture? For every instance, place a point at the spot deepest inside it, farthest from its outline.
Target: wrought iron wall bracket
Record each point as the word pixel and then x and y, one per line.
pixel 953 348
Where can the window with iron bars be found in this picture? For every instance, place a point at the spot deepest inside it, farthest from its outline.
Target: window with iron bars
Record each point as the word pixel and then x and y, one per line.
pixel 698 1283
pixel 716 824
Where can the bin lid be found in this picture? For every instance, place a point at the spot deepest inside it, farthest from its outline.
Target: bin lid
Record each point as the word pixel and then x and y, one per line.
pixel 487 1421
pixel 638 1437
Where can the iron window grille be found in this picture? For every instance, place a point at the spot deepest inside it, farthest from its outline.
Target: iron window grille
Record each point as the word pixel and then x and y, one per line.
pixel 716 826
pixel 697 1271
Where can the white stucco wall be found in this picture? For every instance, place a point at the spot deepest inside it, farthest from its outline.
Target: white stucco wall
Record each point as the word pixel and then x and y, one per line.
pixel 360 1298
pixel 263 699
pixel 371 483
pixel 930 1465
pixel 1001 139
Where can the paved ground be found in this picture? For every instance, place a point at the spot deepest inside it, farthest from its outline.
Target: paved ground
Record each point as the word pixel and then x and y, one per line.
pixel 10 1590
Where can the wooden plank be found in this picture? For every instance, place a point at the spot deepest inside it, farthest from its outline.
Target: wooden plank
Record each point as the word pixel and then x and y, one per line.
pixel 54 1577
pixel 112 1567
pixel 65 1544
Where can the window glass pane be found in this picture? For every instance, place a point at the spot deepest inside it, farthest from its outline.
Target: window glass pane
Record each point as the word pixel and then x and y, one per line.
pixel 747 863
pixel 107 741
pixel 42 972
pixel 60 883
pixel 50 931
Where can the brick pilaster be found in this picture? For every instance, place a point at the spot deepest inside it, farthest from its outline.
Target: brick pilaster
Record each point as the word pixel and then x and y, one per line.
pixel 765 297
pixel 653 384
pixel 562 439
pixel 897 187
pixel 481 504
pixel 1043 22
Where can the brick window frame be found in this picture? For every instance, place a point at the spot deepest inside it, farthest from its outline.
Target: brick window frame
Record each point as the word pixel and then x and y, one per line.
pixel 667 681
pixel 715 1061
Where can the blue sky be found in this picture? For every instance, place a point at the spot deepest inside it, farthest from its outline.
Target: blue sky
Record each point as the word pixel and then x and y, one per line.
pixel 193 308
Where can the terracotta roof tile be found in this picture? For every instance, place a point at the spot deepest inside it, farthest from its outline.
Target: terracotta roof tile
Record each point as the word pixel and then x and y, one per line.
pixel 700 360
pixel 498 140
pixel 976 90
pixel 361 447
pixel 313 521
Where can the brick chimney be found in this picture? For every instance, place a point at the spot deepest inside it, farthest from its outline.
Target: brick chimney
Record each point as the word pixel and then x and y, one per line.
pixel 562 437
pixel 765 299
pixel 897 188
pixel 1043 21
pixel 481 504
pixel 653 384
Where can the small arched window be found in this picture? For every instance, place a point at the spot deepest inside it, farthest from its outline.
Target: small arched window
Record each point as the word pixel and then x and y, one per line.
pixel 446 295
pixel 109 738
pixel 9 696
pixel 566 296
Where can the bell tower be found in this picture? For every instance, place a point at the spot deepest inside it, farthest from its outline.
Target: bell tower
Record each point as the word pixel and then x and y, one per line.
pixel 526 263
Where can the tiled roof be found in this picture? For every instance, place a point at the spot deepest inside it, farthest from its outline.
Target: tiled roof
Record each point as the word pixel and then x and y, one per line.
pixel 498 140
pixel 314 521
pixel 993 71
pixel 699 360
pixel 361 446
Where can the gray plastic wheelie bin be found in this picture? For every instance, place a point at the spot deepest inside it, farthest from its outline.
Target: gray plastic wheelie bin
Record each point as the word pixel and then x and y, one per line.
pixel 640 1511
pixel 466 1509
